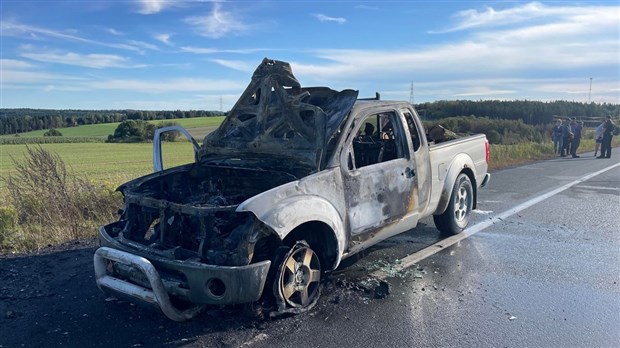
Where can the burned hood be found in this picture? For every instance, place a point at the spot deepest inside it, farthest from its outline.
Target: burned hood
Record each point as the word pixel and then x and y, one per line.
pixel 276 116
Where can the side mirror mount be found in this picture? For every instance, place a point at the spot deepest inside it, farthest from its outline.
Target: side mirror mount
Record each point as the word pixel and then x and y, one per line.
pixel 157 153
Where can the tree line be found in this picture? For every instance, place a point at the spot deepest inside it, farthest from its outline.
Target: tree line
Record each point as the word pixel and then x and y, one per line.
pixel 498 131
pixel 530 112
pixel 14 121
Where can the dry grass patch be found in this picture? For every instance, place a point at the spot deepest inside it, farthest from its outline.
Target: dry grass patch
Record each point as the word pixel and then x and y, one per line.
pixel 47 205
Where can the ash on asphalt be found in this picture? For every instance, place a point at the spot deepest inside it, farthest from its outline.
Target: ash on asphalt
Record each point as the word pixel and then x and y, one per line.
pixel 51 296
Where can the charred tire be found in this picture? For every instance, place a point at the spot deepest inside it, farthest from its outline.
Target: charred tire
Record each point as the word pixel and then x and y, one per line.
pixel 297 283
pixel 457 214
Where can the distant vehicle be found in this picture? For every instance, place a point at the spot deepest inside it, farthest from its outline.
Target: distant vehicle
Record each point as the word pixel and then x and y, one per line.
pixel 293 181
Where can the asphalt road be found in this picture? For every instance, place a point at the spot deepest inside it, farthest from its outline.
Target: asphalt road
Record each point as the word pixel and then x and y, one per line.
pixel 540 267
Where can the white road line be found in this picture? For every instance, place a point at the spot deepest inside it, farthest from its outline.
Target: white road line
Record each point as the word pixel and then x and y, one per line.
pixel 414 258
pixel 599 188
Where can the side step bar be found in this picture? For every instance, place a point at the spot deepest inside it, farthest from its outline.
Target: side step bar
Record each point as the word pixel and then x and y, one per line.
pixel 156 295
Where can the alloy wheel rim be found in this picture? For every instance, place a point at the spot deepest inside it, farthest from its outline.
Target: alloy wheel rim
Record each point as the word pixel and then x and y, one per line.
pixel 461 204
pixel 300 277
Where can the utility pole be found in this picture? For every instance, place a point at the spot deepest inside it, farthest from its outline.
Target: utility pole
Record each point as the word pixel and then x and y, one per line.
pixel 411 94
pixel 590 93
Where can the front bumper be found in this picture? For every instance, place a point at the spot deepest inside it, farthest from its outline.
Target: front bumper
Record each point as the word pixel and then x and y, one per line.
pixel 146 278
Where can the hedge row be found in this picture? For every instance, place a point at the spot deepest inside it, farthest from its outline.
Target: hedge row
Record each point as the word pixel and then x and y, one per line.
pixel 49 140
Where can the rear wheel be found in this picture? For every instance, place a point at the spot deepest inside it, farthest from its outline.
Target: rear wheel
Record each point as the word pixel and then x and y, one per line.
pixel 456 217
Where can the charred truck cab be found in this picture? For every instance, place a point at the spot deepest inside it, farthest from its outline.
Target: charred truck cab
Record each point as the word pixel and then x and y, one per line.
pixel 284 189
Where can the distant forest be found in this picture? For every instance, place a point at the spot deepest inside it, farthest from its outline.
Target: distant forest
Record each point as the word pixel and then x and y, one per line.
pixel 25 120
pixel 530 112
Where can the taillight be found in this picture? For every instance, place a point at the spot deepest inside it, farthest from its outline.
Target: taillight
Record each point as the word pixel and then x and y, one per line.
pixel 487 149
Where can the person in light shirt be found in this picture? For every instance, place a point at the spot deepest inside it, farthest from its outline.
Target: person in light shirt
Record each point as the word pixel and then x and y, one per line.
pixel 598 136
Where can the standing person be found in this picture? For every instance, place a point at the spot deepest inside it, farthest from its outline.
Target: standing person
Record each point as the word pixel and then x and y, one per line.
pixel 598 136
pixel 576 128
pixel 569 123
pixel 608 133
pixel 566 138
pixel 556 136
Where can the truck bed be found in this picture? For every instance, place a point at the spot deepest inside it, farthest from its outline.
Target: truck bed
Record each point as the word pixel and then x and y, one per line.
pixel 470 149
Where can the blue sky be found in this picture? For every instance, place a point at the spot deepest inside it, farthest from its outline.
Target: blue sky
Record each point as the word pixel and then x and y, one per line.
pixel 168 55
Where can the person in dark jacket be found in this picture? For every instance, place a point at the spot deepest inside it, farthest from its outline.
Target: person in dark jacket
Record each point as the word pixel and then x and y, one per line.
pixel 608 133
pixel 576 127
pixel 566 138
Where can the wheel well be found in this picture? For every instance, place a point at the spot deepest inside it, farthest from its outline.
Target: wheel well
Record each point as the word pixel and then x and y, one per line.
pixel 321 239
pixel 472 178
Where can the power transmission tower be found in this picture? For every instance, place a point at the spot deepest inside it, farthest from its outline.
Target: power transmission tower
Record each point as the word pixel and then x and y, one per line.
pixel 221 107
pixel 590 93
pixel 411 94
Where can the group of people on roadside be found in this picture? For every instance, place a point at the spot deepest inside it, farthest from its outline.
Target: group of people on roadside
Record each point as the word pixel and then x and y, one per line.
pixel 567 133
pixel 567 137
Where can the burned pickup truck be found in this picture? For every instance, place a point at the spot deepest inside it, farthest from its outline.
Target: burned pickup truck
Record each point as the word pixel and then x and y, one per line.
pixel 293 181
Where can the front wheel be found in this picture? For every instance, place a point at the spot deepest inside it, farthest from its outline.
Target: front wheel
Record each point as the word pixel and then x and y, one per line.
pixel 456 217
pixel 298 279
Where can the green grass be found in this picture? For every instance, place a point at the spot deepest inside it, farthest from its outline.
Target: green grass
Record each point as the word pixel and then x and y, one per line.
pixel 197 126
pixel 109 163
pixel 503 156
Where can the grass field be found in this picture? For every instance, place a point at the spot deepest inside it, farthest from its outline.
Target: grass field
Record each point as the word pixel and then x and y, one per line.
pixel 103 166
pixel 111 163
pixel 117 163
pixel 197 126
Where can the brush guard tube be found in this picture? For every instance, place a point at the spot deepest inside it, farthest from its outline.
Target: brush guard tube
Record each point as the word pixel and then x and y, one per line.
pixel 156 296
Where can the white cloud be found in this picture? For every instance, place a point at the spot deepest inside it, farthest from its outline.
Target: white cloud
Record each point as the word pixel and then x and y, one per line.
pixel 217 24
pixel 603 86
pixel 32 77
pixel 14 29
pixel 152 6
pixel 9 28
pixel 236 65
pixel 209 50
pixel 96 61
pixel 114 32
pixel 366 7
pixel 586 41
pixel 531 12
pixel 541 89
pixel 23 75
pixel 201 50
pixel 164 38
pixel 168 86
pixel 144 45
pixel 195 102
pixel 478 91
pixel 22 78
pixel 473 18
pixel 18 74
pixel 324 18
pixel 14 64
